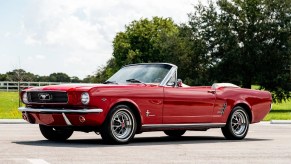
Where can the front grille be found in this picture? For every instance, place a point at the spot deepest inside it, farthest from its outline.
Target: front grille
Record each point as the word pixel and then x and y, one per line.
pixel 47 97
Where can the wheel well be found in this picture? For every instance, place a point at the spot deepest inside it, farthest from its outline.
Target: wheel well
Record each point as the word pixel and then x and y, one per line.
pixel 248 110
pixel 135 112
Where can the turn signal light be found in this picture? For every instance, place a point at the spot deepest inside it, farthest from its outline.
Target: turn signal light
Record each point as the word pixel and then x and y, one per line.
pixel 82 119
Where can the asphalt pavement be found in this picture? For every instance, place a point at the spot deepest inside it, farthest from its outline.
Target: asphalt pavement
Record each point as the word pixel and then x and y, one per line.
pixel 265 143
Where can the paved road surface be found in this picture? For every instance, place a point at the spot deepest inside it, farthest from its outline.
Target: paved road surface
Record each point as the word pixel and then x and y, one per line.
pixel 265 143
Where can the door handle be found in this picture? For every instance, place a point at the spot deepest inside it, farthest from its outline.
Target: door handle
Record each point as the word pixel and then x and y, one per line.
pixel 211 91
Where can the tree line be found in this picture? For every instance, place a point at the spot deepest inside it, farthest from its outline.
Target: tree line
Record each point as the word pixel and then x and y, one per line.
pixel 22 75
pixel 244 42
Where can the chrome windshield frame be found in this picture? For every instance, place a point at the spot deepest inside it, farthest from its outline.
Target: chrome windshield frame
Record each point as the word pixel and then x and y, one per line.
pixel 172 71
pixel 168 76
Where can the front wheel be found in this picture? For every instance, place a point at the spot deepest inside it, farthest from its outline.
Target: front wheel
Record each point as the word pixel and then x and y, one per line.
pixel 174 133
pixel 237 125
pixel 55 133
pixel 120 125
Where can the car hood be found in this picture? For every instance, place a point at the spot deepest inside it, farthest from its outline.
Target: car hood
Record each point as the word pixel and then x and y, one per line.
pixel 78 87
pixel 66 87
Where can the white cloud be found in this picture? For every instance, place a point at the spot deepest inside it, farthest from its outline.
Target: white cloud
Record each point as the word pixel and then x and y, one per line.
pixel 40 57
pixel 7 34
pixel 31 40
pixel 93 24
pixel 74 32
pixel 76 36
pixel 73 60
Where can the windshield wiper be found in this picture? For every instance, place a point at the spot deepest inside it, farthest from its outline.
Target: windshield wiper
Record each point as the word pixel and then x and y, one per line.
pixel 110 82
pixel 135 81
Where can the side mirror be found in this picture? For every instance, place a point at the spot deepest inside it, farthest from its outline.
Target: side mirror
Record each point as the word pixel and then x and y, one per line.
pixel 171 84
pixel 179 83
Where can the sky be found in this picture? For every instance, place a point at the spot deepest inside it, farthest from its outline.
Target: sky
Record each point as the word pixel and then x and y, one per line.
pixel 72 36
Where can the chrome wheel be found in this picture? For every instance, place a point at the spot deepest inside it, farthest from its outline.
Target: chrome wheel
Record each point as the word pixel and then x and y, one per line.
pixel 237 125
pixel 239 122
pixel 122 124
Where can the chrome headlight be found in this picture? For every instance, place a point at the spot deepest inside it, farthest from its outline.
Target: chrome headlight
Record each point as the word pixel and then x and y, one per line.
pixel 24 98
pixel 85 98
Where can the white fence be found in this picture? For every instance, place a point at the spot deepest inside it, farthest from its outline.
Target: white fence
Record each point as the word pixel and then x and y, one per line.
pixel 12 86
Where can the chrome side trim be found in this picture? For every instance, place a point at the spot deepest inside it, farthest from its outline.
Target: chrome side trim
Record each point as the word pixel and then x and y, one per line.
pixel 46 110
pixel 153 127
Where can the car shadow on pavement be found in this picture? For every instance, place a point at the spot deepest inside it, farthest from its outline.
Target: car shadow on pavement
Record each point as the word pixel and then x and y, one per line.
pixel 138 141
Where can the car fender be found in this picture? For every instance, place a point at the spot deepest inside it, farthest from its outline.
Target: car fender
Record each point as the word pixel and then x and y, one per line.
pixel 126 100
pixel 245 104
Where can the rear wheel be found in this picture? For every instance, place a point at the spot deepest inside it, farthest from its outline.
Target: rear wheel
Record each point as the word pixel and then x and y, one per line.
pixel 55 133
pixel 120 125
pixel 237 125
pixel 174 133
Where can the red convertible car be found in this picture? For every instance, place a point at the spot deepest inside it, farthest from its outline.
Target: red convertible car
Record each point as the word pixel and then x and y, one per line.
pixel 140 98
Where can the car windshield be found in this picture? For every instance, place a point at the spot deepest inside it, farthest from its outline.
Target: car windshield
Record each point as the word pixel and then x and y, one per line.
pixel 143 73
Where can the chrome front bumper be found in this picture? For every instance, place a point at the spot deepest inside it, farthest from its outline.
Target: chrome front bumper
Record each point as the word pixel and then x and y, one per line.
pixel 46 110
pixel 61 111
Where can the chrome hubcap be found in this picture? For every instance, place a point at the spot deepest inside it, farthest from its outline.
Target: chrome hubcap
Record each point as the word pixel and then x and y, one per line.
pixel 239 122
pixel 122 125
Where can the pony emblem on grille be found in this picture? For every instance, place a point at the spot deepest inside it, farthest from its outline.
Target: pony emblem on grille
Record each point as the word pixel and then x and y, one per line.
pixel 44 96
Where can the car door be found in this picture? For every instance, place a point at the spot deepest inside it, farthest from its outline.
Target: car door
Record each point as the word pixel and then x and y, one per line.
pixel 188 105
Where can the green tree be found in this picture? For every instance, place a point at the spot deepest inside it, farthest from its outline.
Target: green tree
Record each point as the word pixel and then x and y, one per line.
pixel 141 41
pixel 89 79
pixel 103 73
pixel 59 77
pixel 185 51
pixel 75 79
pixel 3 77
pixel 246 42
pixel 20 75
pixel 42 78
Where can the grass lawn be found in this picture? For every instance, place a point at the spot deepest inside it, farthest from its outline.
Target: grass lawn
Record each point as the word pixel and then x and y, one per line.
pixel 280 111
pixel 9 105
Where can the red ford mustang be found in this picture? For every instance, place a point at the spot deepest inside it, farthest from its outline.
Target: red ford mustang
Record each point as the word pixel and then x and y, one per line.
pixel 140 98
